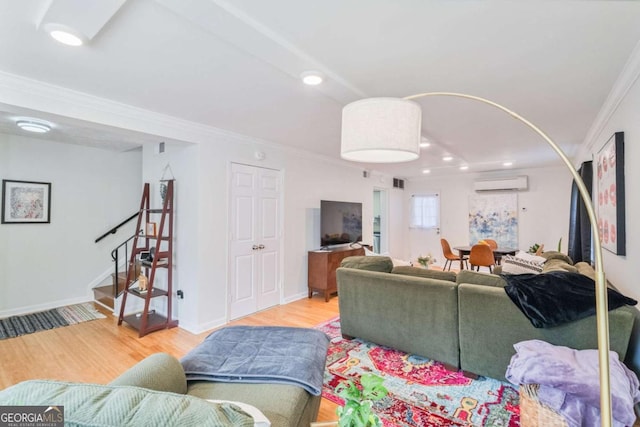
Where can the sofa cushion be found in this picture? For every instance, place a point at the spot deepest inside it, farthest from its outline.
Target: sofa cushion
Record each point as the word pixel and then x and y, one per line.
pixel 423 272
pixel 101 405
pixel 477 278
pixel 517 265
pixel 530 257
pixel 397 262
pixel 370 263
pixel 586 269
pixel 558 264
pixel 283 405
pixel 548 255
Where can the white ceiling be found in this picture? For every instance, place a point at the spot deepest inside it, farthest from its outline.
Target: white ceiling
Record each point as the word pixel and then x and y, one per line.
pixel 235 65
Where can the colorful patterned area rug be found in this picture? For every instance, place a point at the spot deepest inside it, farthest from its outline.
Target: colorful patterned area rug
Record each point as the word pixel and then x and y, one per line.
pixel 15 326
pixel 422 392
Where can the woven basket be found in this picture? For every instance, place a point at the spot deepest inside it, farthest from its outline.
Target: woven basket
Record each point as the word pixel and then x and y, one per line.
pixel 535 414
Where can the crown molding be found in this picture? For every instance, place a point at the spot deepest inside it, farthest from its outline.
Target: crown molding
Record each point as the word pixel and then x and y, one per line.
pixel 36 95
pixel 621 87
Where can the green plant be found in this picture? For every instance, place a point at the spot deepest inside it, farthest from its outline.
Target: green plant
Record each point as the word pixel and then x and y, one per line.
pixel 426 260
pixel 534 248
pixel 560 245
pixel 358 402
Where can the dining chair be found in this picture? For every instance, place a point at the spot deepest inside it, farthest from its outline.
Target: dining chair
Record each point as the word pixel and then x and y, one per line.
pixel 492 243
pixel 481 256
pixel 449 255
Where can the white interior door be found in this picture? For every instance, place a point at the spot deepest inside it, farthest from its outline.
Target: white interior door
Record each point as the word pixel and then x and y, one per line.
pixel 254 272
pixel 425 225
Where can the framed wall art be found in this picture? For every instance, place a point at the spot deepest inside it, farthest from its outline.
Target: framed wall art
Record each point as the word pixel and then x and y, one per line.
pixel 495 217
pixel 151 229
pixel 610 187
pixel 26 202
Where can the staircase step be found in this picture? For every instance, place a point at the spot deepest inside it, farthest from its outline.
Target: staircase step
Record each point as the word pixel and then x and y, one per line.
pixel 104 295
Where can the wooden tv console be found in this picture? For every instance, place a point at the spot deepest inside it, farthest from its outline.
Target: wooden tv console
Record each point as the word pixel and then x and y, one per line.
pixel 322 269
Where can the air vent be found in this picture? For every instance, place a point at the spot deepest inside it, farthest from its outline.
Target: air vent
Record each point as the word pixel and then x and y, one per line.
pixel 398 183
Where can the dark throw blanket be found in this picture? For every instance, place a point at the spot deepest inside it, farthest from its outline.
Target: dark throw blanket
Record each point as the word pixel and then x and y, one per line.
pixel 557 297
pixel 260 354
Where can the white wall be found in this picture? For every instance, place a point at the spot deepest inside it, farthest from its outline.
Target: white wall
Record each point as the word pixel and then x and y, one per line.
pixel 543 210
pixel 624 271
pixel 202 182
pixel 49 265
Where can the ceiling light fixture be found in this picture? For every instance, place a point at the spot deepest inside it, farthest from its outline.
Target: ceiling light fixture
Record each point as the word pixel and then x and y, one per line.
pixel 64 34
pixel 507 164
pixel 76 22
pixel 34 125
pixel 424 143
pixel 312 78
pixel 464 167
pixel 377 128
pixel 364 141
pixel 447 158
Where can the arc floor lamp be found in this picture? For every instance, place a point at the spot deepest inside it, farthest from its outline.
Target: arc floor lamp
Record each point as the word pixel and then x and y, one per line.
pixel 385 130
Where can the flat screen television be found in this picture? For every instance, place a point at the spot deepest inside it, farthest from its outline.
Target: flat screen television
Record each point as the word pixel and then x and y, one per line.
pixel 340 222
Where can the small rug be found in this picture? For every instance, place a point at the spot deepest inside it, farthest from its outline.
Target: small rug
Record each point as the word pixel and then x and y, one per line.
pixel 15 326
pixel 422 392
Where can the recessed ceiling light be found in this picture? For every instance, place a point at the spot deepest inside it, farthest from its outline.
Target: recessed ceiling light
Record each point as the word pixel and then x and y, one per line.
pixel 34 125
pixel 426 171
pixel 447 158
pixel 507 164
pixel 64 34
pixel 424 143
pixel 464 167
pixel 312 78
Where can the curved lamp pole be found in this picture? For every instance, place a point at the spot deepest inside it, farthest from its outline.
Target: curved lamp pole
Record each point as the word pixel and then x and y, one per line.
pixel 386 130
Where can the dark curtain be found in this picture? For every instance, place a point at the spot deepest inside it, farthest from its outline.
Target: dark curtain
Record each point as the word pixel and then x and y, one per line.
pixel 579 225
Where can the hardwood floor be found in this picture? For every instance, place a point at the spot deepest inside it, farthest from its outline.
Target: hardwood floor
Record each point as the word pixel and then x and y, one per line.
pixel 100 350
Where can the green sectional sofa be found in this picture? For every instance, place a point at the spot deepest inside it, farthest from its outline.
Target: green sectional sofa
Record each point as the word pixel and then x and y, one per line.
pixel 155 392
pixel 464 320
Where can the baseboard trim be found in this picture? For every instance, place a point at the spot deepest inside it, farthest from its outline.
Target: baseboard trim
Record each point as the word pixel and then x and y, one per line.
pixel 46 306
pixel 295 297
pixel 203 327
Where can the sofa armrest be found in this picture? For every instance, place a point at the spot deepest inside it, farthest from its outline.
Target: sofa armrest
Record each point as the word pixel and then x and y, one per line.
pixel 160 372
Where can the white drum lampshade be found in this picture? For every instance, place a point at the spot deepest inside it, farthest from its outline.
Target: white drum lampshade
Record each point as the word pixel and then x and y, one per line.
pixel 381 130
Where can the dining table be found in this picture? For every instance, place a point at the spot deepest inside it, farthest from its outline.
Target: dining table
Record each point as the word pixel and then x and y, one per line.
pixel 498 253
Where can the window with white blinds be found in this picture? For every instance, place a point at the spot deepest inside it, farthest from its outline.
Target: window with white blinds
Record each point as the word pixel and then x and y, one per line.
pixel 425 211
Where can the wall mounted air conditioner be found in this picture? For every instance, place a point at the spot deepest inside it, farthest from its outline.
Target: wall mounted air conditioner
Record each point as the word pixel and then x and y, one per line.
pixel 519 183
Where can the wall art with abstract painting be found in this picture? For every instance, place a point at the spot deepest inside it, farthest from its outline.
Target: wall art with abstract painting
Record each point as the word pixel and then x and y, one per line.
pixel 494 216
pixel 26 202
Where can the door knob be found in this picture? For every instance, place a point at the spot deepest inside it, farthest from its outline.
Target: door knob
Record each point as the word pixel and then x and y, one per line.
pixel 261 247
pixel 255 247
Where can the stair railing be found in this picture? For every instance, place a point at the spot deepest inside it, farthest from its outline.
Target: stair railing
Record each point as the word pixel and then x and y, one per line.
pixel 123 247
pixel 114 230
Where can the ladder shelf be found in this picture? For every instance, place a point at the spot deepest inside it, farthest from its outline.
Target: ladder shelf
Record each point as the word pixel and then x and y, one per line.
pixel 148 320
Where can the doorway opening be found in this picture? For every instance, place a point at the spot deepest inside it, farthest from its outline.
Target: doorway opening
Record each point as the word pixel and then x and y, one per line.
pixel 380 221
